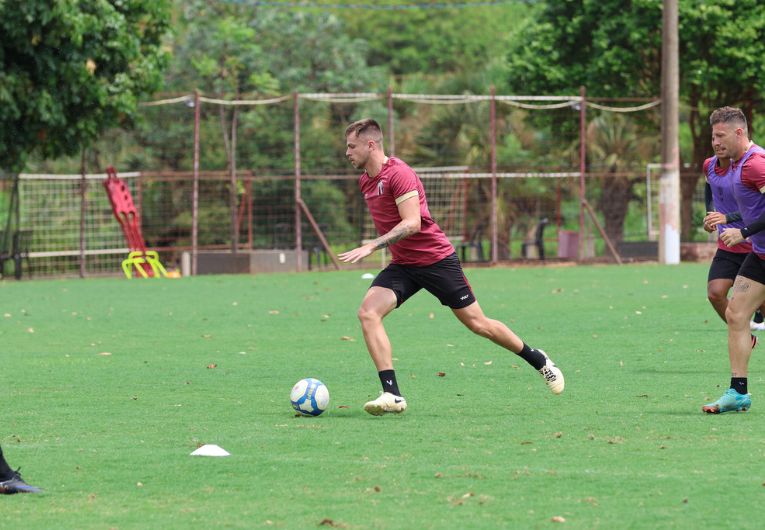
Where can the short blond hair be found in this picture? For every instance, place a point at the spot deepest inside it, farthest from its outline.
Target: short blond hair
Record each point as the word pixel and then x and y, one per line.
pixel 368 127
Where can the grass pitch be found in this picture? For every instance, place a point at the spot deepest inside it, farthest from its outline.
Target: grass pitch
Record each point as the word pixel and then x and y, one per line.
pixel 108 385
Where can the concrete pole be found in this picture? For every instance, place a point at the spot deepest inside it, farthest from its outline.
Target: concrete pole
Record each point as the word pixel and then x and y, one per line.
pixel 195 185
pixel 493 161
pixel 669 184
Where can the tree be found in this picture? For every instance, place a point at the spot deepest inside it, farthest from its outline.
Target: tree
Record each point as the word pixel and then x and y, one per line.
pixel 615 143
pixel 237 51
pixel 440 40
pixel 70 69
pixel 614 49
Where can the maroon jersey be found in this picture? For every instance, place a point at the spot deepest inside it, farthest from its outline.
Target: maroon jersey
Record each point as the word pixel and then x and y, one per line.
pixel 397 182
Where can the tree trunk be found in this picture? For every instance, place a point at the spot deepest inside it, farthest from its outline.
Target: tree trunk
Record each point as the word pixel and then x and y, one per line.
pixel 613 204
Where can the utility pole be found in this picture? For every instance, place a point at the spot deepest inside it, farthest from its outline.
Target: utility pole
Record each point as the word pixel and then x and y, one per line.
pixel 669 185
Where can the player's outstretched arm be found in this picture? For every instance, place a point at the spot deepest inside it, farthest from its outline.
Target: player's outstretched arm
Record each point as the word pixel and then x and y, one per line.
pixel 410 223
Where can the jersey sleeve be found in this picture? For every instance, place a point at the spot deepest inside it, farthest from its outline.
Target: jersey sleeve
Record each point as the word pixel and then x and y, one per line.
pixel 706 168
pixel 403 184
pixel 753 172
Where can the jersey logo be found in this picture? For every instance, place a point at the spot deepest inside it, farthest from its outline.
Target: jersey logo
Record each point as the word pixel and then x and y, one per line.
pixel 380 187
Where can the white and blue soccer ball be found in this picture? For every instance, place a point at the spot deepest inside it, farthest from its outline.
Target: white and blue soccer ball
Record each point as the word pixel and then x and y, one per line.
pixel 309 397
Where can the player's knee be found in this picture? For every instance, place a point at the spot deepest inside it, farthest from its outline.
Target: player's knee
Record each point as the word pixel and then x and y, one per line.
pixel 367 316
pixel 736 318
pixel 479 326
pixel 716 296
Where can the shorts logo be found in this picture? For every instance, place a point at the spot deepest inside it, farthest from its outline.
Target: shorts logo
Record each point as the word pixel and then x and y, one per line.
pixel 465 297
pixel 380 187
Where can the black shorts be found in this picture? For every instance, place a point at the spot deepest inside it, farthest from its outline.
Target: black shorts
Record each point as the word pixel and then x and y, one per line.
pixel 444 279
pixel 725 265
pixel 753 268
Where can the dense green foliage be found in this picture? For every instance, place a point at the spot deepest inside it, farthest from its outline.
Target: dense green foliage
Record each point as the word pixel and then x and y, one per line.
pixel 70 69
pixel 234 49
pixel 615 50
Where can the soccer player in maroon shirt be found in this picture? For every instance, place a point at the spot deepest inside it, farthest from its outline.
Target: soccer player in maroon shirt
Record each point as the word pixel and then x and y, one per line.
pixel 730 138
pixel 423 258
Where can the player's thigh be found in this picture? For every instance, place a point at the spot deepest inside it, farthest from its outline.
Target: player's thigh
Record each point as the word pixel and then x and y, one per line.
pixel 396 279
pixel 471 316
pixel 378 301
pixel 749 288
pixel 719 288
pixel 725 265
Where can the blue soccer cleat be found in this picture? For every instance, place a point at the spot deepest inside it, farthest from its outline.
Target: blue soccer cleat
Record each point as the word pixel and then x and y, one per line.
pixel 729 402
pixel 16 484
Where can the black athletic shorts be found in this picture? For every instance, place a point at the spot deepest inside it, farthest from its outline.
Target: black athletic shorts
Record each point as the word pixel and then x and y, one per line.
pixel 725 265
pixel 444 279
pixel 753 268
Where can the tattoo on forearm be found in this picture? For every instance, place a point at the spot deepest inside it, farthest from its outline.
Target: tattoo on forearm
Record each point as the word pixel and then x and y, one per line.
pixel 397 234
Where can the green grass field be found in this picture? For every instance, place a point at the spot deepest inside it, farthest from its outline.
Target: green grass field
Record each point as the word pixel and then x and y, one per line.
pixel 109 384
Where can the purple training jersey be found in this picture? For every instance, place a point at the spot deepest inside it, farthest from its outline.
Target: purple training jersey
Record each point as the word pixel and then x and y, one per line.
pixel 747 188
pixel 721 182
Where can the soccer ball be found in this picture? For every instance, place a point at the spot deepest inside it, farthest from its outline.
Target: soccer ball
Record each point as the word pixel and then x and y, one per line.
pixel 309 397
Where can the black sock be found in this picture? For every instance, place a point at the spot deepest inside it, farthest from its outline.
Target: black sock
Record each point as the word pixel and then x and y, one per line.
pixel 758 317
pixel 532 356
pixel 389 383
pixel 5 471
pixel 738 384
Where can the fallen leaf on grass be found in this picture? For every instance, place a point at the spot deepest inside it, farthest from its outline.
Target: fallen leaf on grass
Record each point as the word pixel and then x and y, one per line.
pixel 558 519
pixel 558 434
pixel 273 312
pixel 488 363
pixel 211 366
pixel 349 339
pixel 343 407
pixel 105 353
pixel 460 501
pixel 441 374
pixel 333 524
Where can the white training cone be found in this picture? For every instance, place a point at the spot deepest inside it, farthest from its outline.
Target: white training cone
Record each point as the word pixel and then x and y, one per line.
pixel 210 450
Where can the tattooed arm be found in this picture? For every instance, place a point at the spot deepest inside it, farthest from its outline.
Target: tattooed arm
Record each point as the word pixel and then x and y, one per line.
pixel 410 223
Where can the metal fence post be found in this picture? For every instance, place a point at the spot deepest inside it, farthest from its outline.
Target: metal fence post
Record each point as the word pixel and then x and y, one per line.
pixel 298 228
